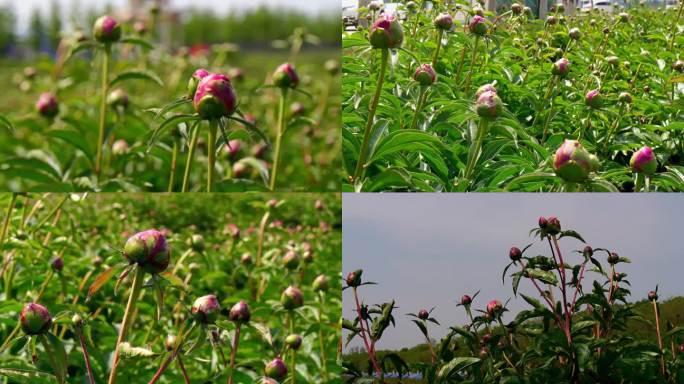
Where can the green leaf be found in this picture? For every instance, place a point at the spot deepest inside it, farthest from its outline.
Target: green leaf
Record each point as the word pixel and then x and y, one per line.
pixel 54 349
pixel 27 376
pixel 126 350
pixel 6 123
pixel 580 325
pixel 533 302
pixel 136 75
pixel 404 140
pixel 264 331
pixel 257 164
pixel 137 41
pixel 171 121
pixel 81 46
pixel 74 138
pixel 454 366
pixel 571 233
pixel 546 276
pixel 422 327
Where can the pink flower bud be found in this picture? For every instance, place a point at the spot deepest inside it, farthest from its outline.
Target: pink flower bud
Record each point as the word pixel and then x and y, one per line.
pixel 483 89
pixel 118 99
pixel 276 369
pixel 234 231
pixel 553 227
pixel 652 296
pixel 478 25
pixel 644 161
pixel 593 99
pixel 386 32
pixel 170 342
pixel 196 77
pixel 215 97
pixel 47 105
pixel 35 319
pixel 206 309
pixel 291 260
pixel 425 75
pixel 494 308
pixel 106 30
pixel 239 313
pixel 543 223
pixel 588 251
pixel 320 284
pixel 140 27
pixel 466 300
pixel 423 314
pixel 57 264
pixel 285 76
pixel 561 67
pixel 515 254
pixel 573 163
pixel 354 278
pixel 488 105
pixel 443 21
pixel 292 298
pixel 149 250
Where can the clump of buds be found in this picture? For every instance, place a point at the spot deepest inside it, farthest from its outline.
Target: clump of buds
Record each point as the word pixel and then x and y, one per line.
pixel 593 99
pixel 443 21
pixel 292 298
pixel 47 105
pixel 575 33
pixel 425 75
pixel 386 33
pixel 57 264
pixel 354 278
pixel 206 309
pixel 149 250
pixel 561 67
pixel 423 314
pixel 625 97
pixel 488 105
pixel 653 296
pixel 643 161
pixel 285 76
pixel 613 258
pixel 196 77
pixel 478 25
pixel 35 319
pixel 550 226
pixel 106 30
pixel 573 163
pixel 516 8
pixel 239 312
pixel 276 369
pixel 466 300
pixel 215 97
pixel 118 98
pixel 320 284
pixel 291 259
pixel 294 341
pixel 494 308
pixel 515 254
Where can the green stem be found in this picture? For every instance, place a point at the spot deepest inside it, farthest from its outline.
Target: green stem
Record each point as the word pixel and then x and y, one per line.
pixel 293 372
pixel 460 64
pixel 440 34
pixel 103 107
pixel 475 148
pixel 419 106
pixel 675 23
pixel 211 154
pixel 472 65
pixel 614 127
pixel 550 97
pixel 233 352
pixel 132 298
pixel 6 222
pixel 358 173
pixel 324 361
pixel 191 153
pixel 174 162
pixel 279 137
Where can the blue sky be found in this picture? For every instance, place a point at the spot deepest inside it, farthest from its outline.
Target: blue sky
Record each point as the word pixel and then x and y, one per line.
pixel 23 8
pixel 428 250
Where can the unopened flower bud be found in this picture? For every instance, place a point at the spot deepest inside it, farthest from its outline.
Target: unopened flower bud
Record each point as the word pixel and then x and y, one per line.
pixel 678 66
pixel 575 33
pixel 170 342
pixel 515 254
pixel 47 105
pixel 118 99
pixel 297 109
pixel 478 25
pixel 35 319
pixel 552 226
pixel 291 259
pixel 140 27
pixel 560 8
pixel 652 296
pixel 106 30
pixel 551 20
pixel 206 309
pixel 215 97
pixel 320 284
pixel 354 278
pixel 613 258
pixel 276 369
pixel 375 5
pixel 120 147
pixel 606 30
pixel 483 89
pixel 573 163
pixel 57 264
pixel 293 341
pixel 386 32
pixel 423 314
pixel 625 97
pixel 246 259
pixel 488 105
pixel 466 300
pixel 197 243
pixel 593 99
pixel 425 75
pixel 149 250
pixel 516 8
pixel 644 161
pixel 494 308
pixel 234 231
pixel 292 298
pixel 196 77
pixel 561 67
pixel 612 60
pixel 285 76
pixel 623 16
pixel 444 21
pixel 239 313
pixel 588 251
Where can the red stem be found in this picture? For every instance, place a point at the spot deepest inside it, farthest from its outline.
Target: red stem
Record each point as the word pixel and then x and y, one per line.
pixel 182 368
pixel 561 273
pixel 369 349
pixel 86 357
pixel 579 283
pixel 541 293
pixel 163 367
pixel 233 352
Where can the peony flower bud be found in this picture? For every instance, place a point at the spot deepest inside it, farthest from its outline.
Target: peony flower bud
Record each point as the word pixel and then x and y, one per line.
pixel 118 99
pixel 560 8
pixel 516 8
pixel 478 25
pixel 149 250
pixel 375 5
pixel 194 81
pixel 644 161
pixel 423 314
pixel 488 105
pixel 292 298
pixel 613 258
pixel 652 296
pixel 573 163
pixel 466 300
pixel 239 313
pixel 425 75
pixel 612 60
pixel 354 278
pixel 575 33
pixel 57 264
pixel 234 231
pixel 553 227
pixel 551 20
pixel 236 74
pixel 494 308
pixel 623 16
pixel 320 284
pixel 678 66
pixel 291 260
pixel 444 21
pixel 515 254
pixel 47 105
pixel 293 342
pixel 206 309
pixel 484 353
pixel 120 147
pixel 594 99
pixel 588 251
pixel 35 319
pixel 561 67
pixel 246 259
pixel 386 32
pixel 196 242
pixel 276 369
pixel 486 338
pixel 332 66
pixel 106 30
pixel 527 11
pixel 625 97
pixel 215 97
pixel 140 28
pixel 543 223
pixel 170 342
pixel 483 89
pixel 319 205
pixel 297 109
pixel 285 76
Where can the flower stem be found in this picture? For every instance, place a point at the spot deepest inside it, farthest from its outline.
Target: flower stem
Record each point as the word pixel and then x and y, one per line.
pixel 86 357
pixel 475 148
pixel 358 173
pixel 660 339
pixel 472 65
pixel 675 23
pixel 321 340
pixel 371 355
pixel 191 153
pixel 103 107
pixel 163 367
pixel 233 352
pixel 440 34
pixel 614 127
pixel 549 96
pixel 211 154
pixel 279 137
pixel 179 360
pixel 132 298
pixel 421 100
pixel 174 162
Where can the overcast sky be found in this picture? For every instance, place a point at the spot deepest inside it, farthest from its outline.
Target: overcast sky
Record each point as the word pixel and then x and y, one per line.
pixel 23 8
pixel 428 250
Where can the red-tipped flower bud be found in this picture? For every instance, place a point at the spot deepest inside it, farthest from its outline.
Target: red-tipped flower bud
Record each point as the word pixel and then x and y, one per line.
pixel 588 251
pixel 466 300
pixel 593 99
pixel 292 298
pixel 276 369
pixel 149 250
pixel 561 67
pixel 553 227
pixel 206 309
pixel 215 97
pixel 488 105
pixel 515 254
pixel 543 223
pixel 285 76
pixel 293 341
pixel 443 21
pixel 425 75
pixel 239 313
pixel 320 284
pixel 423 314
pixel 623 16
pixel 644 161
pixel 106 30
pixel 35 319
pixel 57 264
pixel 47 105
pixel 478 25
pixel 494 308
pixel 613 258
pixel 195 79
pixel 573 163
pixel 386 33
pixel 354 278
pixel 652 296
pixel 291 259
